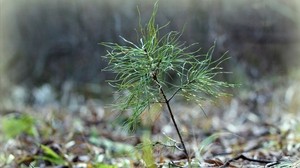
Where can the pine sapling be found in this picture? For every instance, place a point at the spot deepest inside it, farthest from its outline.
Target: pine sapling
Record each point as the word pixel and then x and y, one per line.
pixel 142 70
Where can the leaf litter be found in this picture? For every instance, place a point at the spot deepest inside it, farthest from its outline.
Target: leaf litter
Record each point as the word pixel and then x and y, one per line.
pixel 258 127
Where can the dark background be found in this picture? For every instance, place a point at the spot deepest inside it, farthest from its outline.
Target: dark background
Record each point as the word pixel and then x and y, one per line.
pixel 56 41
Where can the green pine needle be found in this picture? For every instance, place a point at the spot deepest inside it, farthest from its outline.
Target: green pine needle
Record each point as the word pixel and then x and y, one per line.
pixel 142 69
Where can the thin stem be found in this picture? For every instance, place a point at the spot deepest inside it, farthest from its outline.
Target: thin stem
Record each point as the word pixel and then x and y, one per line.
pixel 174 94
pixel 167 101
pixel 175 124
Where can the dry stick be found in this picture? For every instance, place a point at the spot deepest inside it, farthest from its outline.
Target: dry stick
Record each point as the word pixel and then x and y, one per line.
pixel 249 159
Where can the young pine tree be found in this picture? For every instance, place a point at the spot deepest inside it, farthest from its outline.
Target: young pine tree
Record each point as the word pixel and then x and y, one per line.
pixel 142 70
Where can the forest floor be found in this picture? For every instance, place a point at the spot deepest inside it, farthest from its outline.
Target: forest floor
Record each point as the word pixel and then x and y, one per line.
pixel 255 127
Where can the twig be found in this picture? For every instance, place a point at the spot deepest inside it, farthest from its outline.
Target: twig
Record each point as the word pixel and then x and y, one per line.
pixel 174 94
pixel 249 159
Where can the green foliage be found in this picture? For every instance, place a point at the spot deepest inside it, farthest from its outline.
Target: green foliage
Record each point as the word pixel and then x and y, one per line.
pixel 147 148
pixel 143 69
pixel 13 126
pixel 102 165
pixel 51 156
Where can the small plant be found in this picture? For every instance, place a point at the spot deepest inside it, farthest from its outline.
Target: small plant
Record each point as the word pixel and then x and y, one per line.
pixel 144 68
pixel 18 124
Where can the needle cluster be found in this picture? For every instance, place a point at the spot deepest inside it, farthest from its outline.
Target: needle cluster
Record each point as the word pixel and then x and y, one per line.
pixel 143 70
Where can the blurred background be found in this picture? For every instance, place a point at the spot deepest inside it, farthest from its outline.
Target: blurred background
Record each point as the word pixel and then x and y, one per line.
pixel 49 49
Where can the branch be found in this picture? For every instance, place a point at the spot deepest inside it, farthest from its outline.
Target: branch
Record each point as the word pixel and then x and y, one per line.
pixel 268 162
pixel 174 94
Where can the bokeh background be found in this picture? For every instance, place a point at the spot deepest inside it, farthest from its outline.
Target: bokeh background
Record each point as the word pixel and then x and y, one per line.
pixel 49 49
